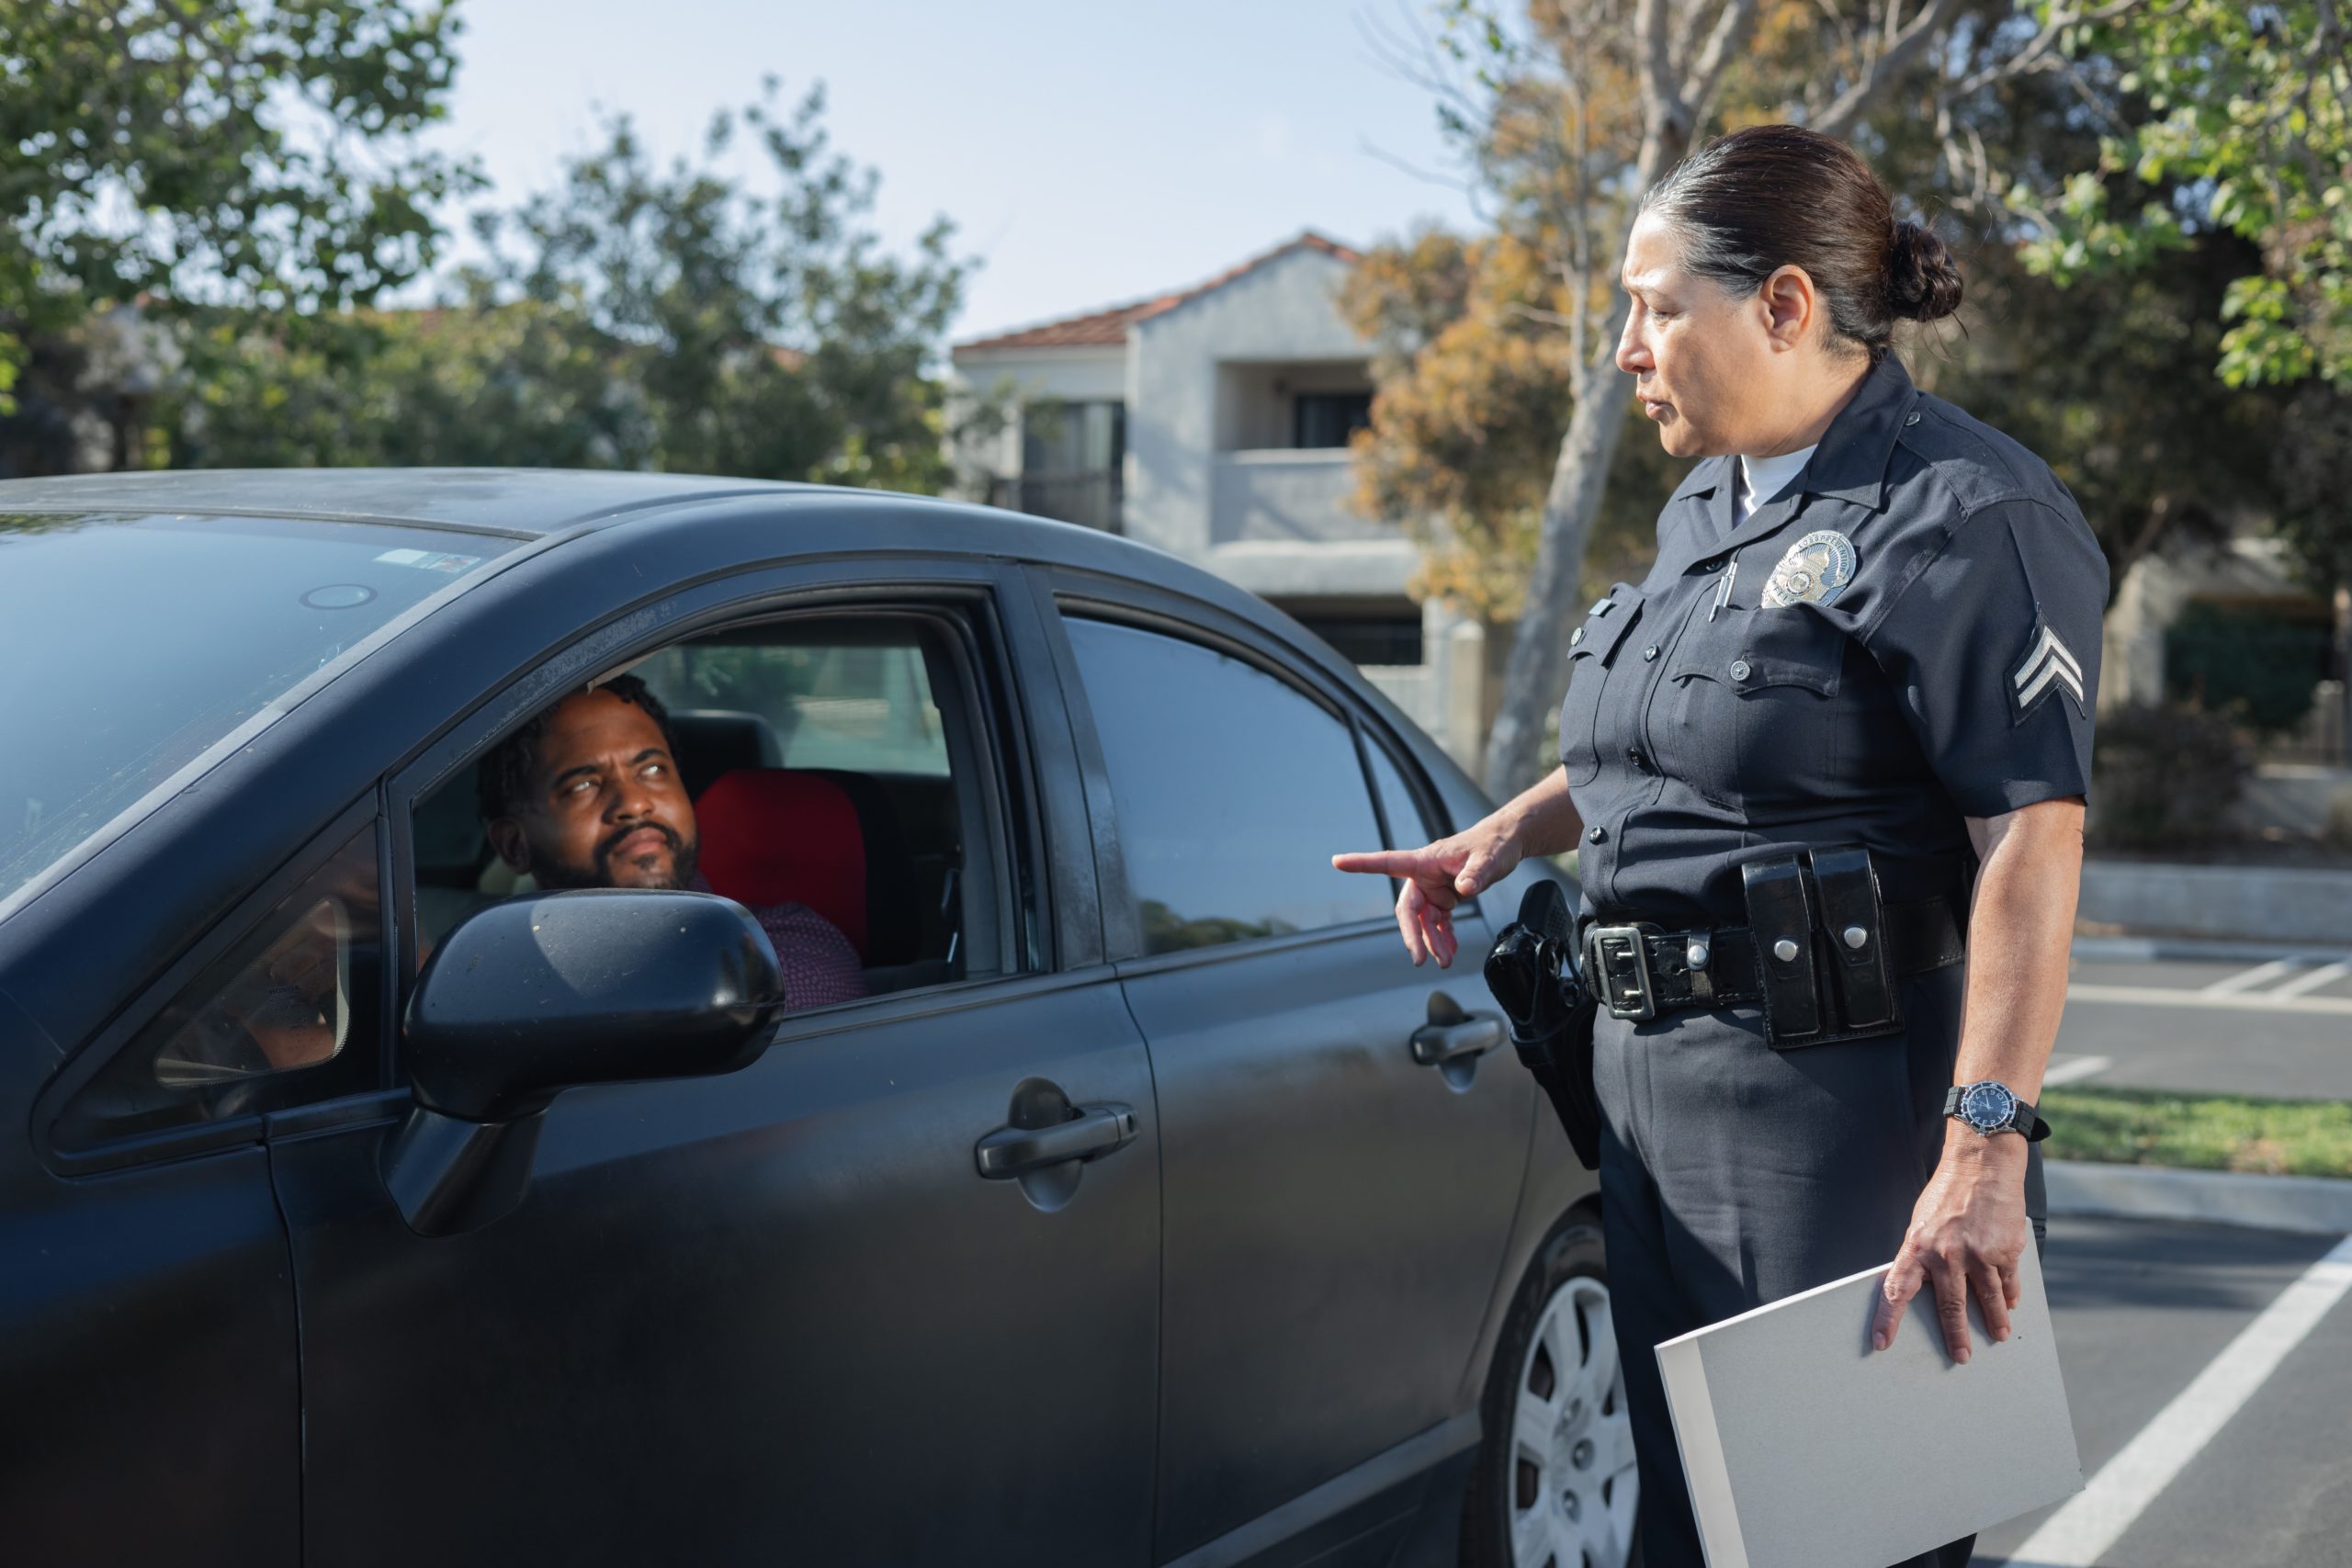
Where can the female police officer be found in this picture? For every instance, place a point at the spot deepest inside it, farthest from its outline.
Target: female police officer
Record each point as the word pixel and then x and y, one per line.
pixel 1844 723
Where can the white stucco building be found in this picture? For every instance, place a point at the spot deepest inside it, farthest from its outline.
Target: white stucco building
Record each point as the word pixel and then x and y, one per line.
pixel 1213 421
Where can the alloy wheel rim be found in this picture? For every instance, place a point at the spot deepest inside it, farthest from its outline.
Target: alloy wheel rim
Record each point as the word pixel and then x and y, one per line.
pixel 1573 1486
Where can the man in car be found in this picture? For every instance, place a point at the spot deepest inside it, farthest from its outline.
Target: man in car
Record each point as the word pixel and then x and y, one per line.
pixel 587 794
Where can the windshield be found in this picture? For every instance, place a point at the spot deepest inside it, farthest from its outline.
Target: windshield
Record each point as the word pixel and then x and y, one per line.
pixel 131 645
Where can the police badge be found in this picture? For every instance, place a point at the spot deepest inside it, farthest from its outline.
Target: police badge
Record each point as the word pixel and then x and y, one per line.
pixel 1816 571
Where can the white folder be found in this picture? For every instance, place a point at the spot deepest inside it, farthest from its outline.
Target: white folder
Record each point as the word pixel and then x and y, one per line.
pixel 1805 1446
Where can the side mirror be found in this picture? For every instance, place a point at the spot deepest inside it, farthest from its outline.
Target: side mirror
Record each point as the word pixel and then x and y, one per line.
pixel 531 997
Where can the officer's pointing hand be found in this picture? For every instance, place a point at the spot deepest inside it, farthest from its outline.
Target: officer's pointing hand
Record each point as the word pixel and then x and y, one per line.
pixel 1437 877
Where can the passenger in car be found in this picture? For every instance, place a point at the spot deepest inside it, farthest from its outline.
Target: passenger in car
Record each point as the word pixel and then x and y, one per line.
pixel 587 794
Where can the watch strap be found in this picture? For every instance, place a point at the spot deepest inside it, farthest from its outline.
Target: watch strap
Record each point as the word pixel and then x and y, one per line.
pixel 2025 1119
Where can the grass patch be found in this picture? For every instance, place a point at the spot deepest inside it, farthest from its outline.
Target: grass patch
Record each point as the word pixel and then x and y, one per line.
pixel 2200 1132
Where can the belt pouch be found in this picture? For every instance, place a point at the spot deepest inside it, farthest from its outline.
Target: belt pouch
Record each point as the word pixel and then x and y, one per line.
pixel 1859 964
pixel 1781 917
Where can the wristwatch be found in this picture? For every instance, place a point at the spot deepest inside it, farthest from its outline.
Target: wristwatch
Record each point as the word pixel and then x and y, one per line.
pixel 1989 1107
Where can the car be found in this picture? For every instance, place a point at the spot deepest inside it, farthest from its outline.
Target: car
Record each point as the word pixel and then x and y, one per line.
pixel 361 1204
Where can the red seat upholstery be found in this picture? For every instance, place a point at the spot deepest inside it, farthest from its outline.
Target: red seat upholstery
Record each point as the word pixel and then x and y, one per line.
pixel 778 835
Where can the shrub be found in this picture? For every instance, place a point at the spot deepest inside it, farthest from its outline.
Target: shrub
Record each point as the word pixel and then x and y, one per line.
pixel 2163 776
pixel 2258 668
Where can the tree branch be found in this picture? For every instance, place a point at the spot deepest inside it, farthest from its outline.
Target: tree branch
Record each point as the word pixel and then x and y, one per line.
pixel 1847 112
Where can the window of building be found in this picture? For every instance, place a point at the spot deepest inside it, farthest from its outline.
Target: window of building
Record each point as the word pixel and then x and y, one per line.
pixel 1368 637
pixel 1233 790
pixel 1328 419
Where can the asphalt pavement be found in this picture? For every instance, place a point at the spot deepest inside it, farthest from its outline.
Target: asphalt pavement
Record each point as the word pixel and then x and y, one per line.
pixel 2167 1331
pixel 2276 1024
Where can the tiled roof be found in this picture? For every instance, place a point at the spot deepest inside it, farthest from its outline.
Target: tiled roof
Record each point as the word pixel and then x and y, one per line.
pixel 1109 328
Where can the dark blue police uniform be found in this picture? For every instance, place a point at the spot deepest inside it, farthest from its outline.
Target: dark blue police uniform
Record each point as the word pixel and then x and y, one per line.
pixel 1908 636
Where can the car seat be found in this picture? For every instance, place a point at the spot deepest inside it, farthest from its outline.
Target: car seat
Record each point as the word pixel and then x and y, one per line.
pixel 828 839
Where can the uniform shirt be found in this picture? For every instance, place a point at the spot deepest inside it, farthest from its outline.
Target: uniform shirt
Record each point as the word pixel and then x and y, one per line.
pixel 1908 637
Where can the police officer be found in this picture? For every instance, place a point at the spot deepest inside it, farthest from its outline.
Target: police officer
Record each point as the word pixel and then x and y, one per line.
pixel 1842 728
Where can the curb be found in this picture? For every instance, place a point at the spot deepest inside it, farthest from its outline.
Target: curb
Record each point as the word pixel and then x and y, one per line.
pixel 2315 1205
pixel 2190 949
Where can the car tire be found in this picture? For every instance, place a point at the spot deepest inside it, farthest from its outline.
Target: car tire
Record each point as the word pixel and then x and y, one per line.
pixel 1554 1480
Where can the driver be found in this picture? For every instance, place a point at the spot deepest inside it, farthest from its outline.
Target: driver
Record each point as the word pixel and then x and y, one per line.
pixel 586 795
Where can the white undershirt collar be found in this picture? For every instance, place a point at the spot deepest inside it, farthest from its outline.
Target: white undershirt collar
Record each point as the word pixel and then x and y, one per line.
pixel 1762 479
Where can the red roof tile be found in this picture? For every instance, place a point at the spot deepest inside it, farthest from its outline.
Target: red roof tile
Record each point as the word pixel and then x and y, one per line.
pixel 1104 328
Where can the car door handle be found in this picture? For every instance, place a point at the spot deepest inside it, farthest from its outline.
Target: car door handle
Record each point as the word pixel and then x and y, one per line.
pixel 1453 1035
pixel 1092 1131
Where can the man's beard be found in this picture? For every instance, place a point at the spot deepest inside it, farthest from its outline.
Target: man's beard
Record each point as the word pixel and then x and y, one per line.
pixel 553 872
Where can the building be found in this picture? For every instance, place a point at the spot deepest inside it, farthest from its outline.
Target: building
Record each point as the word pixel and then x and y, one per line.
pixel 1213 423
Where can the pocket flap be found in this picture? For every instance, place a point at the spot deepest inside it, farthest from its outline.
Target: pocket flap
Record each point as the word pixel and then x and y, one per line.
pixel 1606 624
pixel 1750 649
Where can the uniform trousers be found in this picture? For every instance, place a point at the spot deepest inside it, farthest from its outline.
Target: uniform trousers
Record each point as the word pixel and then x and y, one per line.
pixel 1733 1175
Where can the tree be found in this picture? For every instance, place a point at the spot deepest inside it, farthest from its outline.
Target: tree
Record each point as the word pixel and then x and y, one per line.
pixel 2243 118
pixel 184 153
pixel 632 316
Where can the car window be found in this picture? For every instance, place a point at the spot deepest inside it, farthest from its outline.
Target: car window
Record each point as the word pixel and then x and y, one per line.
pixel 1407 828
pixel 837 779
pixel 862 704
pixel 1233 790
pixel 288 1015
pixel 231 614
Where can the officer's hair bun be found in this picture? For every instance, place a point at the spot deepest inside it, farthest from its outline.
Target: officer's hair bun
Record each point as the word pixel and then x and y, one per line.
pixel 1922 280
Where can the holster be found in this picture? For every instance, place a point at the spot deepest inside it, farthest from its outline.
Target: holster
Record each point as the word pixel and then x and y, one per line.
pixel 1532 972
pixel 1821 947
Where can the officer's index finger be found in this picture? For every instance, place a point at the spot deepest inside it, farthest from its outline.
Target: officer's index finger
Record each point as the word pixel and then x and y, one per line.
pixel 1382 863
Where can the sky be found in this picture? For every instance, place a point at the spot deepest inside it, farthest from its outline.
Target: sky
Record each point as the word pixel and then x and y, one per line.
pixel 1090 152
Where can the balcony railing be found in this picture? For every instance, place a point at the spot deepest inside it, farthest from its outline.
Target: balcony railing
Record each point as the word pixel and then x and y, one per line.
pixel 1092 500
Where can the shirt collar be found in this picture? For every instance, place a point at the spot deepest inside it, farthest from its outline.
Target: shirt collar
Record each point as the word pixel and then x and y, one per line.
pixel 1851 463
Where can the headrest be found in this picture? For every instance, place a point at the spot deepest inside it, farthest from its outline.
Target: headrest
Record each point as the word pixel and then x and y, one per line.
pixel 714 742
pixel 777 836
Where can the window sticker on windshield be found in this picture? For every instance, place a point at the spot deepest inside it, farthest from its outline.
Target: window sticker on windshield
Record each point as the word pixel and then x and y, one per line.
pixel 429 560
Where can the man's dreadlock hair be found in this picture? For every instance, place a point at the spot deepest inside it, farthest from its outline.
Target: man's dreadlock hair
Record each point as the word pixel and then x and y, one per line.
pixel 507 767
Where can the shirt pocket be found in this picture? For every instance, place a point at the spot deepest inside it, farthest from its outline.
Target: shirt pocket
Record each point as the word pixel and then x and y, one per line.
pixel 1592 652
pixel 1745 715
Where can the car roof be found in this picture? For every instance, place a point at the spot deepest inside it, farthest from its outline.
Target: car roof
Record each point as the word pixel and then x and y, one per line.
pixel 525 501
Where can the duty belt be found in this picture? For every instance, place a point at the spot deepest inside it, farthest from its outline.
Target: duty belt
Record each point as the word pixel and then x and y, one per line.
pixel 1810 917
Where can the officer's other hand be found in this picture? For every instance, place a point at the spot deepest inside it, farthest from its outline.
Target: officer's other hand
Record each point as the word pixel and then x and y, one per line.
pixel 1437 877
pixel 1968 1230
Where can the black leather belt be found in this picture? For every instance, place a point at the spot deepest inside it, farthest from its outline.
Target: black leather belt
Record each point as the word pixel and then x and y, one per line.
pixel 1639 969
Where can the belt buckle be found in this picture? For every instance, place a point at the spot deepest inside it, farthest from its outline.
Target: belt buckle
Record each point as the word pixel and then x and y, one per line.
pixel 1624 986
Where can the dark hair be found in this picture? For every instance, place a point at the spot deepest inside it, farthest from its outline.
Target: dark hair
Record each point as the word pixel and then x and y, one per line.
pixel 505 768
pixel 1775 196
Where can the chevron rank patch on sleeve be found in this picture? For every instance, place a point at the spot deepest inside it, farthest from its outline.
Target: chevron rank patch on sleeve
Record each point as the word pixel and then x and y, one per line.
pixel 2049 665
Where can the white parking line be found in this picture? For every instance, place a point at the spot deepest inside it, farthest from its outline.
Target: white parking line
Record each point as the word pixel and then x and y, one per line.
pixel 2236 1001
pixel 2246 980
pixel 2081 1067
pixel 2079 1533
pixel 2325 975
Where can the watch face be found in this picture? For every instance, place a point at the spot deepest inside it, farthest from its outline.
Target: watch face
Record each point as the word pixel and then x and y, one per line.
pixel 1987 1105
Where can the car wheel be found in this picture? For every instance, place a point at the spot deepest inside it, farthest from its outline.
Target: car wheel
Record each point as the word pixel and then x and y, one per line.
pixel 1554 1483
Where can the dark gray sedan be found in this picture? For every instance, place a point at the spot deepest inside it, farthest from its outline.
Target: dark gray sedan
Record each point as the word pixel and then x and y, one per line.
pixel 361 1202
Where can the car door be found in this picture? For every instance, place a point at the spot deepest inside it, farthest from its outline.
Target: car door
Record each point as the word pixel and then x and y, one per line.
pixel 780 1313
pixel 1342 1146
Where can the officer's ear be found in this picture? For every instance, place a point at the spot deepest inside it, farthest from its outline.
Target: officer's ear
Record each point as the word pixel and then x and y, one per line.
pixel 1791 307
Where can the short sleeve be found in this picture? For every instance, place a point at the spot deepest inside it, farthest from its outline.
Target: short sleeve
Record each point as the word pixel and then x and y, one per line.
pixel 1994 645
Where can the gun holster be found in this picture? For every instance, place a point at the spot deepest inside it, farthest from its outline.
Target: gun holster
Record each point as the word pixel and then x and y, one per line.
pixel 1530 969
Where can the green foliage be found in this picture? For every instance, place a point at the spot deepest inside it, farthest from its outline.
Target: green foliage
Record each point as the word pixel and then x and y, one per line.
pixel 2163 776
pixel 260 152
pixel 633 316
pixel 2200 1132
pixel 2242 115
pixel 2253 667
